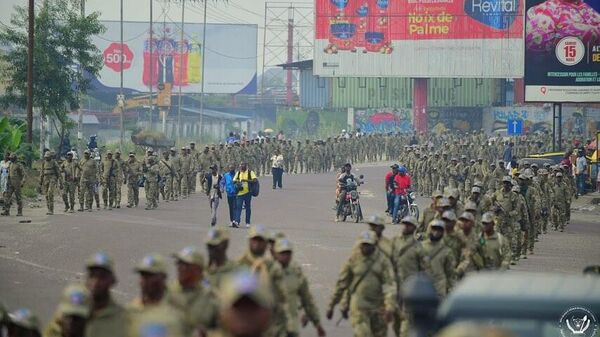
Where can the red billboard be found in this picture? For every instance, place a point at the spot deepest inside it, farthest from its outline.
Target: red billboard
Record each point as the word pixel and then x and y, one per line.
pixel 475 37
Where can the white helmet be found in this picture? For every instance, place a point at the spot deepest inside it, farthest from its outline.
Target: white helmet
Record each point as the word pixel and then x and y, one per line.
pixel 344 131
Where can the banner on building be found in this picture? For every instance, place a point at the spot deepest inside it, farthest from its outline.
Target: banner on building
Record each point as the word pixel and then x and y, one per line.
pixel 419 38
pixel 562 51
pixel 229 65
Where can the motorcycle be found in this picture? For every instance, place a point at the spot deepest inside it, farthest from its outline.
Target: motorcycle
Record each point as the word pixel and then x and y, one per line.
pixel 351 205
pixel 408 206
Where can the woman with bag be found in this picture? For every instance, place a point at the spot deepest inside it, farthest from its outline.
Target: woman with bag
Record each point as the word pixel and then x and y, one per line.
pixel 243 180
pixel 214 192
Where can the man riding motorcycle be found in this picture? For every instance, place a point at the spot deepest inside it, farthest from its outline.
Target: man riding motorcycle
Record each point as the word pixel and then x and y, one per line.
pixel 343 179
pixel 402 182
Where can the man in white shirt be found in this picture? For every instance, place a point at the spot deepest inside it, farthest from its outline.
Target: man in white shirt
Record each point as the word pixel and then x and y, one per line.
pixel 581 170
pixel 277 169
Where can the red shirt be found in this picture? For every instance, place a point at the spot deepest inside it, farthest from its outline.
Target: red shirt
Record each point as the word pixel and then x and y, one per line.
pixel 387 179
pixel 402 183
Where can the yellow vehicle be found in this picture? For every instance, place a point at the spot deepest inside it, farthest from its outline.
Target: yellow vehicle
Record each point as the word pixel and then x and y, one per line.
pixel 162 99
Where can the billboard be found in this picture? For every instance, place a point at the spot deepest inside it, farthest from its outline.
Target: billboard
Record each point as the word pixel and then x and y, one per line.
pixel 230 65
pixel 562 51
pixel 419 38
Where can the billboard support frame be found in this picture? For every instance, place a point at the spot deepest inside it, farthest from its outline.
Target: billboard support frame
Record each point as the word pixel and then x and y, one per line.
pixel 556 127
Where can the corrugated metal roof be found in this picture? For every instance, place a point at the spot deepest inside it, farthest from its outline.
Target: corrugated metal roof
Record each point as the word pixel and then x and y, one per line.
pixel 371 92
pixel 87 118
pixel 315 91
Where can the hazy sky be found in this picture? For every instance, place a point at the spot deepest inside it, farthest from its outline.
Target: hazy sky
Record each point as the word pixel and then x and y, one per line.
pixel 230 11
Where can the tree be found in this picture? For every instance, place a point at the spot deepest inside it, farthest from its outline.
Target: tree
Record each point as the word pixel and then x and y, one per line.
pixel 63 46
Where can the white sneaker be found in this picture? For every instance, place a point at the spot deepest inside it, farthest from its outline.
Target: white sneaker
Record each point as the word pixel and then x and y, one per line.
pixel 247 225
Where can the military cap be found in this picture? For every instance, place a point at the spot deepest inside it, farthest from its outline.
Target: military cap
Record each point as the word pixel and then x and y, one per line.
pixel 525 162
pixel 534 165
pixel 109 153
pixel 409 219
pixel 68 153
pixel 152 264
pixel 258 231
pixel 283 245
pixel 437 224
pixel 25 319
pixel 173 149
pixel 466 216
pixel 184 147
pixel 376 220
pixel 100 260
pixel 472 161
pixel 274 236
pixel 190 255
pixel 516 188
pixel 463 157
pixel 559 174
pixel 449 215
pixel 470 206
pixel 192 143
pixel 478 183
pixel 131 154
pixel 217 235
pixel 547 165
pixel 487 217
pixel 452 193
pixel 86 151
pixel 48 154
pixel 117 152
pixel 500 161
pixel 437 194
pixel 75 301
pixel 506 179
pixel 492 164
pixel 543 172
pixel 367 237
pixel 444 202
pixel 244 284
pixel 475 189
pixel 479 158
pixel 454 159
pixel 150 149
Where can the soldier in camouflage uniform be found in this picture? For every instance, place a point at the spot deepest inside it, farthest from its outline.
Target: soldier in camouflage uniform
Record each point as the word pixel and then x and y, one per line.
pixel 16 176
pixel 440 259
pixel 494 248
pixel 49 178
pixel 119 178
pixel 133 172
pixel 186 172
pixel 70 174
pixel 560 196
pixel 152 174
pixel 109 170
pixel 176 166
pixel 87 182
pixel 505 205
pixel 369 281
pixel 167 177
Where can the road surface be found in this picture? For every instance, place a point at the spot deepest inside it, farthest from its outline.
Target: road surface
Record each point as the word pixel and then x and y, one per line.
pixel 37 259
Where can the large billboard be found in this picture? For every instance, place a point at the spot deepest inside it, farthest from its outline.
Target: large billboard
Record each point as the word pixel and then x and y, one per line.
pixel 230 64
pixel 419 38
pixel 562 51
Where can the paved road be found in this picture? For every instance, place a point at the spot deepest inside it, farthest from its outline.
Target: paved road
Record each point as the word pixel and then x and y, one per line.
pixel 37 259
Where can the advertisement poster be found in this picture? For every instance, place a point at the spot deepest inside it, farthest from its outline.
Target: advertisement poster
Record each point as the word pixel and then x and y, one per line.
pixel 562 51
pixel 383 120
pixel 419 38
pixel 230 64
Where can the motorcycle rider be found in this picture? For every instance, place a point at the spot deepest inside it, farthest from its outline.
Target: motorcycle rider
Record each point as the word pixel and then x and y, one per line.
pixel 389 187
pixel 402 182
pixel 344 179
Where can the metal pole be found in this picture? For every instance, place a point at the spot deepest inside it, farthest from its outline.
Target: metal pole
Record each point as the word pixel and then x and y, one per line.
pixel 30 47
pixel 559 126
pixel 180 70
pixel 556 127
pixel 80 112
pixel 203 70
pixel 151 67
pixel 290 57
pixel 262 82
pixel 121 88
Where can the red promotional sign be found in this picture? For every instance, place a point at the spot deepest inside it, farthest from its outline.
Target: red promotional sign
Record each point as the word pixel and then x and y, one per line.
pixel 112 57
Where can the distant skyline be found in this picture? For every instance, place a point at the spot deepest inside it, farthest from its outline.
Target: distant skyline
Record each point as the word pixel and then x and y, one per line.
pixel 224 11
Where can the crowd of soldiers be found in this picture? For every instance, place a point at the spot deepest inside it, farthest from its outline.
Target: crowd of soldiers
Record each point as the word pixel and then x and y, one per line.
pixel 485 214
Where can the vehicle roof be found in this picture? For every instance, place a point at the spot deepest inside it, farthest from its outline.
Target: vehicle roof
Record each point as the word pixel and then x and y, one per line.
pixel 520 295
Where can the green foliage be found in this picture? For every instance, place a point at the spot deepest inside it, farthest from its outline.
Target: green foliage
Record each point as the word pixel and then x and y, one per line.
pixel 11 135
pixel 62 41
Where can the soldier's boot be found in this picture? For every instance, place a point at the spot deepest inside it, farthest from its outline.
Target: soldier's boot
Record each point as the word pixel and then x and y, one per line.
pixel 5 213
pixel 50 211
pixel 80 207
pixel 20 211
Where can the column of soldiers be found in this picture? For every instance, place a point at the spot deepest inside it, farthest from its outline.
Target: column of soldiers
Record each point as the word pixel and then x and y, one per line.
pixel 266 288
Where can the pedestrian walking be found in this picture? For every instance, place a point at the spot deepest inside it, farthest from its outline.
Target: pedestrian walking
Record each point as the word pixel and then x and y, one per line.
pixel 214 192
pixel 243 179
pixel 228 186
pixel 581 171
pixel 49 178
pixel 14 184
pixel 277 169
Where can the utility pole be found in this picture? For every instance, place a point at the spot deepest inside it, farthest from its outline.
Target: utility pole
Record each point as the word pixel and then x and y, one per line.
pixel 121 98
pixel 80 112
pixel 203 70
pixel 30 47
pixel 180 72
pixel 290 58
pixel 151 65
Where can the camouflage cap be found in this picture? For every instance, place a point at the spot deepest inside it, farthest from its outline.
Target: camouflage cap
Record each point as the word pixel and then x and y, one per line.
pixel 190 255
pixel 283 245
pixel 478 183
pixel 449 215
pixel 246 284
pixel 534 165
pixel 100 260
pixel 470 206
pixel 75 301
pixel 117 152
pixel 487 217
pixel 367 237
pixel 476 189
pixel 258 231
pixel 437 224
pixel 506 179
pixel 217 235
pixel 173 149
pixel 444 202
pixel 25 319
pixel 48 154
pixel 410 220
pixel 86 151
pixel 275 236
pixel 437 194
pixel 376 220
pixel 466 216
pixel 152 264
pixel 131 154
pixel 559 174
